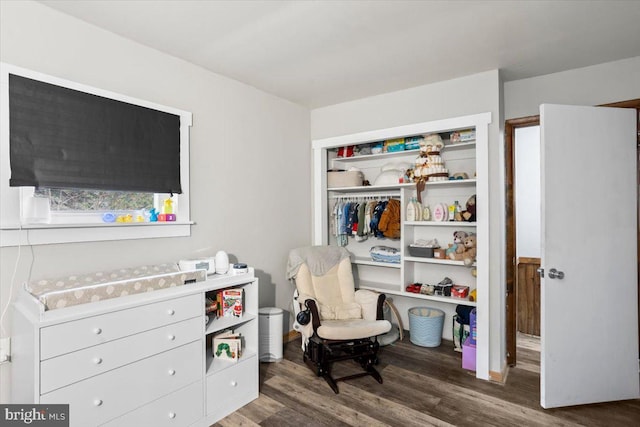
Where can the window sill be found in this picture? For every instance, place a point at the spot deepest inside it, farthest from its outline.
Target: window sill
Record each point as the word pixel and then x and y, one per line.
pixel 43 234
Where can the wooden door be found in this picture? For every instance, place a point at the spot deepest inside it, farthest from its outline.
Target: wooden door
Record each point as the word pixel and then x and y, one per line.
pixel 528 296
pixel 589 312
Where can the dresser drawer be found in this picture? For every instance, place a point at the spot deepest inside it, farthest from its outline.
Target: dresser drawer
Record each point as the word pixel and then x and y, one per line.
pixel 69 368
pixel 179 409
pixel 71 336
pixel 109 395
pixel 232 387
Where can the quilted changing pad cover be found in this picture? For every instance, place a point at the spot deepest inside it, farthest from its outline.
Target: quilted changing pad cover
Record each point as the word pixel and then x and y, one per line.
pixel 80 289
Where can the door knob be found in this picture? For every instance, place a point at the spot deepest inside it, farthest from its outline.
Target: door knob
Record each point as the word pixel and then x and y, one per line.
pixel 540 271
pixel 555 274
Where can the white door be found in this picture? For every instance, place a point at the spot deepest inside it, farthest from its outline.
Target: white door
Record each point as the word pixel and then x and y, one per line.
pixel 589 326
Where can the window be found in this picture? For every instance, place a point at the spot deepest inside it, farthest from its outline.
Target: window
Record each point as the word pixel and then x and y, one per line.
pixel 74 200
pixel 76 213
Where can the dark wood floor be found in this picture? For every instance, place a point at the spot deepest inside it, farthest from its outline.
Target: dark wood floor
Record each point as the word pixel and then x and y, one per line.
pixel 422 387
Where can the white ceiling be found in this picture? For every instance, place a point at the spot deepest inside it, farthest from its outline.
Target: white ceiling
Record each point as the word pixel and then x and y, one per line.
pixel 318 53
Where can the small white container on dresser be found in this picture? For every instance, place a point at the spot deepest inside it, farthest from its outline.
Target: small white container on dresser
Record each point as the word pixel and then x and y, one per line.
pixel 138 360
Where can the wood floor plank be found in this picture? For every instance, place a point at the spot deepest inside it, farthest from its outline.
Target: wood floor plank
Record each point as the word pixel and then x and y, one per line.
pixel 261 408
pixel 422 387
pixel 236 420
pixel 329 406
pixel 475 402
pixel 297 413
pixel 390 412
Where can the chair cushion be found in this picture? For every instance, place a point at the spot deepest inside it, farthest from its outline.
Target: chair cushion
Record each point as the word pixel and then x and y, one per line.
pixel 340 311
pixel 334 291
pixel 352 329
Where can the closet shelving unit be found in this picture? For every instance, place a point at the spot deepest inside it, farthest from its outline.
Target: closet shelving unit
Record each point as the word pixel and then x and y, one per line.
pixel 470 157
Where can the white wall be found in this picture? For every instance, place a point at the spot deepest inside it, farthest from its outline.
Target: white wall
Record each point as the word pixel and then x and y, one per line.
pixel 250 156
pixel 598 84
pixel 474 94
pixel 527 186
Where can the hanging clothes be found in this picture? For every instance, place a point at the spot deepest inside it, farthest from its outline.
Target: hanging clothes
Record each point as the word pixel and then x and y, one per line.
pixel 353 218
pixel 339 224
pixel 389 223
pixel 363 228
pixel 375 219
pixel 363 218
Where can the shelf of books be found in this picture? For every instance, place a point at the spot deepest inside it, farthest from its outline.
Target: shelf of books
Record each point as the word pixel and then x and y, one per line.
pixel 215 325
pixel 216 364
pixel 230 330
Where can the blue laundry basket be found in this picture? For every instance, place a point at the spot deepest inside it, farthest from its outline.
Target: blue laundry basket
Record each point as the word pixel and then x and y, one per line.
pixel 425 326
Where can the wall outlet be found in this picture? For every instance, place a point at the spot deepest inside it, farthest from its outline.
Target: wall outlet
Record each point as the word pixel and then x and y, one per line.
pixel 5 350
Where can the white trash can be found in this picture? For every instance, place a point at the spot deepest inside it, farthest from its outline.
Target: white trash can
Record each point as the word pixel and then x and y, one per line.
pixel 270 325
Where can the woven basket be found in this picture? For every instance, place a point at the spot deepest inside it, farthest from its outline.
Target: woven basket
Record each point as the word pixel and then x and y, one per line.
pixel 425 326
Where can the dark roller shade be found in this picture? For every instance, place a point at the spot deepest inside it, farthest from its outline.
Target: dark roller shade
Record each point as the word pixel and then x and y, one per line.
pixel 64 138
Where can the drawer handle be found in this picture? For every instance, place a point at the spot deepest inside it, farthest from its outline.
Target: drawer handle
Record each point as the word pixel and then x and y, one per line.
pixel 171 312
pixel 171 337
pixel 172 372
pixel 172 415
pixel 97 402
pixel 97 360
pixel 97 331
pixel 234 383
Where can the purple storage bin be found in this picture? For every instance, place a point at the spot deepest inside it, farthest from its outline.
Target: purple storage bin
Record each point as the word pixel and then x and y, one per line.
pixel 468 355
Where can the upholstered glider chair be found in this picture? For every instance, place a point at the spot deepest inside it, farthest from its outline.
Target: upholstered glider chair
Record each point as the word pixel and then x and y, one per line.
pixel 336 321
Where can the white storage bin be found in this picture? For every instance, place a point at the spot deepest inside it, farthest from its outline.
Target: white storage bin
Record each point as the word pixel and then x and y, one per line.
pixel 344 179
pixel 270 325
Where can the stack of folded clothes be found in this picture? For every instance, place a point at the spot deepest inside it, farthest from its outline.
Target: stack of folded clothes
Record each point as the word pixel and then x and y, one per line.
pixel 385 254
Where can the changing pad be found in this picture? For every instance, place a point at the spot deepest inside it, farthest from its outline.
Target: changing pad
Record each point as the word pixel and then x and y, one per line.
pixel 81 289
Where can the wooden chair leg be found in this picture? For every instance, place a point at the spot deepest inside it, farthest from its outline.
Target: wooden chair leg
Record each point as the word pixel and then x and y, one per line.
pixel 320 356
pixel 332 383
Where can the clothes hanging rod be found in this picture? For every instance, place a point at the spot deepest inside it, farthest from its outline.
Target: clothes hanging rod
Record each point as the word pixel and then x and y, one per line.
pixel 365 195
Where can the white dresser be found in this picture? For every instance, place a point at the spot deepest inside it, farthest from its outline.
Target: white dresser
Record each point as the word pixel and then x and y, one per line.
pixel 138 360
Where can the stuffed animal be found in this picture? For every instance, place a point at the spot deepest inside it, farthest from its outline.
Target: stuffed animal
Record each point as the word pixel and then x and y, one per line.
pixel 470 213
pixel 469 255
pixel 455 250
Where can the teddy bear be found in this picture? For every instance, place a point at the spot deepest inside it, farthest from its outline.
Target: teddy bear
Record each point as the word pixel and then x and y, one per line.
pixel 469 255
pixel 455 250
pixel 470 213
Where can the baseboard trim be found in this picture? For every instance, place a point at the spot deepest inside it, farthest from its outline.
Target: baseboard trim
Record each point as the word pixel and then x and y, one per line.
pixel 291 336
pixel 499 377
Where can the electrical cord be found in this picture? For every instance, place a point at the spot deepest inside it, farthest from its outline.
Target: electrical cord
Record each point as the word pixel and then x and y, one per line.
pixel 12 284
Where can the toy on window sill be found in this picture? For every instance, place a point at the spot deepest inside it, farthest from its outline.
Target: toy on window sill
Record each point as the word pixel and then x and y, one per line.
pixel 108 217
pixel 153 215
pixel 124 218
pixel 167 211
pixel 166 217
pixel 167 207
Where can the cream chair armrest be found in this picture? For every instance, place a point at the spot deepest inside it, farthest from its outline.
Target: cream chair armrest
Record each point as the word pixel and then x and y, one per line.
pixel 368 300
pixel 302 298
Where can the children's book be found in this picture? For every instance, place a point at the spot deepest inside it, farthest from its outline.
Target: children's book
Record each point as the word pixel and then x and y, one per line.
pixel 227 346
pixel 232 302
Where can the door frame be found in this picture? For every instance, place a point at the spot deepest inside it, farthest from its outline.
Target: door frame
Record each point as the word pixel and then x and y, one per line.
pixel 510 127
